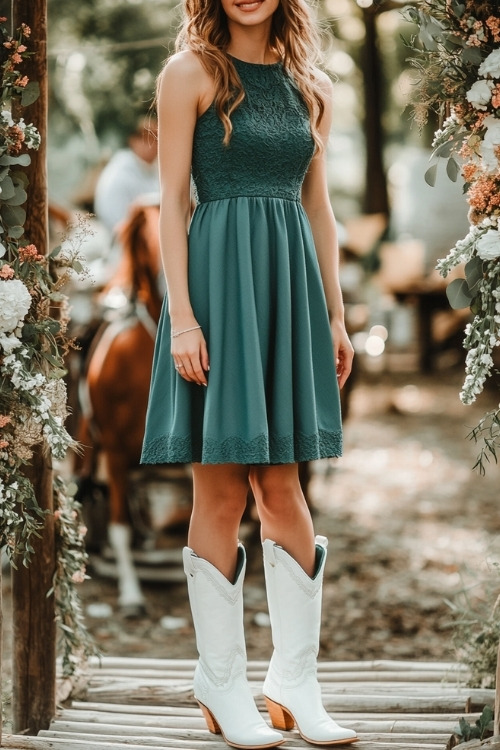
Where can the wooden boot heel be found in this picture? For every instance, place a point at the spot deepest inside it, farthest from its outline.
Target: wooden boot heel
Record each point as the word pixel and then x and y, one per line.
pixel 210 719
pixel 280 717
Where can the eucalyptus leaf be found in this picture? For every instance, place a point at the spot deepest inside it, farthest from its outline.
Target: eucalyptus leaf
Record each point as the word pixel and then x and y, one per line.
pixel 77 266
pixel 458 293
pixel 19 178
pixel 55 252
pixel 452 42
pixel 472 56
pixel 53 326
pixel 16 232
pixel 8 189
pixel 29 331
pixel 452 169
pixel 23 159
pixel 13 215
pixel 3 250
pixel 458 8
pixel 430 175
pixel 30 93
pixel 19 198
pixel 444 149
pixel 474 272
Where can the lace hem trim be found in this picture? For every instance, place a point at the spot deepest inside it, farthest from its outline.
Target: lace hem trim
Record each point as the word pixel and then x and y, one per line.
pixel 261 450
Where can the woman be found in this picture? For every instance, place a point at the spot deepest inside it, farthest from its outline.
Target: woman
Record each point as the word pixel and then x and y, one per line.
pixel 245 373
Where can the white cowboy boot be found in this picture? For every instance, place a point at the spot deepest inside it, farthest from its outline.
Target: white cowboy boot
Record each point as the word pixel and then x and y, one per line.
pixel 220 681
pixel 291 688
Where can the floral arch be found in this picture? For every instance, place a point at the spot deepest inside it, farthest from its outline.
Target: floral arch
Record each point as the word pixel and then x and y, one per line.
pixel 458 63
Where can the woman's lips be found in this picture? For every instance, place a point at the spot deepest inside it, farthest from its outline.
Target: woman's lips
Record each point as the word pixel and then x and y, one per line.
pixel 249 6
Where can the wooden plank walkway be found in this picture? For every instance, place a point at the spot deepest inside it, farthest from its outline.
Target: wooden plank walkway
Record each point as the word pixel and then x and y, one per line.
pixel 139 704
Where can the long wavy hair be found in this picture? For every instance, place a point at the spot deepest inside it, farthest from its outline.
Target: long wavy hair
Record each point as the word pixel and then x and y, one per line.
pixel 293 38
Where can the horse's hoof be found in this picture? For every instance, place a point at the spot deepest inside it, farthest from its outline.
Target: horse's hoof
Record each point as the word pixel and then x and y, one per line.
pixel 133 611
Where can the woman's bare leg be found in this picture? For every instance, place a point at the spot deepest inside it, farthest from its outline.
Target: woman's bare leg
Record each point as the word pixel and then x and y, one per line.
pixel 283 511
pixel 219 500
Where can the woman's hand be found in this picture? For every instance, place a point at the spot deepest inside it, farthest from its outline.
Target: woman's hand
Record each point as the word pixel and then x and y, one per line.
pixel 344 352
pixel 190 354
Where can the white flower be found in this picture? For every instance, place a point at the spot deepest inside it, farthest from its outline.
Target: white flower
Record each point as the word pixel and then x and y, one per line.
pixel 491 66
pixel 7 118
pixel 15 301
pixel 32 138
pixel 488 245
pixel 8 343
pixel 490 144
pixel 479 94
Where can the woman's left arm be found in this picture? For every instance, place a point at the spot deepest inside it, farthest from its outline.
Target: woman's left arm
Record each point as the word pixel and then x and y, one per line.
pixel 316 202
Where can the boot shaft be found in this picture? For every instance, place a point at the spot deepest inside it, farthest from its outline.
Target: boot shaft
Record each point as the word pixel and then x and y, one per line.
pixel 294 601
pixel 217 610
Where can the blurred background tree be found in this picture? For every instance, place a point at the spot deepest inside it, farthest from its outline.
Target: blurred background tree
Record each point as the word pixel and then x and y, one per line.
pixel 104 56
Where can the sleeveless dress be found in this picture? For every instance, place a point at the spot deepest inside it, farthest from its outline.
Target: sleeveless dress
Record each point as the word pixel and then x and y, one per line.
pixel 256 290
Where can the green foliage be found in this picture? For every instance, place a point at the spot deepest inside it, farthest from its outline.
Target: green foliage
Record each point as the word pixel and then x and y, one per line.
pixel 443 53
pixel 33 345
pixel 104 56
pixel 487 433
pixel 477 628
pixel 479 730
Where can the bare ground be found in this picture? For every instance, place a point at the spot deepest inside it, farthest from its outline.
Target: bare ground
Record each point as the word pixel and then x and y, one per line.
pixel 410 525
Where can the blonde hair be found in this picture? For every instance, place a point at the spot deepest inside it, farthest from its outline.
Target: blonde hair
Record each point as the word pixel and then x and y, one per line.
pixel 293 38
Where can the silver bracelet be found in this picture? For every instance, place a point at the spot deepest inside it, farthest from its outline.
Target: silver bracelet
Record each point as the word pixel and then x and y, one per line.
pixel 174 334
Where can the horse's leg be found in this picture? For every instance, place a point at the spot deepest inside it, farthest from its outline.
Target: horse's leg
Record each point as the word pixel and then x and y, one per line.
pixel 130 599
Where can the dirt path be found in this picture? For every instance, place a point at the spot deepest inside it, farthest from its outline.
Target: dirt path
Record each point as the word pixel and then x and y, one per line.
pixel 409 525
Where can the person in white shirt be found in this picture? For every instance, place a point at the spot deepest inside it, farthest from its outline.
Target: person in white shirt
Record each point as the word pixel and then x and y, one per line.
pixel 130 173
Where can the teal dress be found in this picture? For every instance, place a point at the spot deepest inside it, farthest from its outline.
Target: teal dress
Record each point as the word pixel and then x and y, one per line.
pixel 256 290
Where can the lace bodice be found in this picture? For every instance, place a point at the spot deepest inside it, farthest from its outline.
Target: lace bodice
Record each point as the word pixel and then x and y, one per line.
pixel 271 144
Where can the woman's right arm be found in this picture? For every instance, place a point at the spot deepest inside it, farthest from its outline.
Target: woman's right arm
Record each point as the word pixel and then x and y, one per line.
pixel 182 86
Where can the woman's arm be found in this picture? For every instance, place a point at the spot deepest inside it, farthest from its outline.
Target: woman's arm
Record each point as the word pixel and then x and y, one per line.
pixel 183 88
pixel 316 202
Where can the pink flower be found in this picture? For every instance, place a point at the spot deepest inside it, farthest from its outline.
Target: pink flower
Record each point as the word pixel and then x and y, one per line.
pixel 495 97
pixel 6 272
pixel 3 444
pixel 22 82
pixel 57 514
pixel 78 576
pixel 25 29
pixel 22 48
pixel 16 58
pixel 29 253
pixel 493 23
pixel 4 419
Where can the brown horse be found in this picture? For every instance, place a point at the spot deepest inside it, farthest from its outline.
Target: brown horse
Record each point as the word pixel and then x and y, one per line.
pixel 116 386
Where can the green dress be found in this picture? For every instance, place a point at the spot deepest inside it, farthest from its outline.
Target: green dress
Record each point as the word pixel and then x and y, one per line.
pixel 256 290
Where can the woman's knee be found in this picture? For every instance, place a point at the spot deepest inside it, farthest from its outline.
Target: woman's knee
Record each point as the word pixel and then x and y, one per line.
pixel 276 488
pixel 221 491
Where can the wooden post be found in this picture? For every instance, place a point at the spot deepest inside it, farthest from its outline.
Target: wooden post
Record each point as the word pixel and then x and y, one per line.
pixel 34 629
pixel 496 722
pixel 375 197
